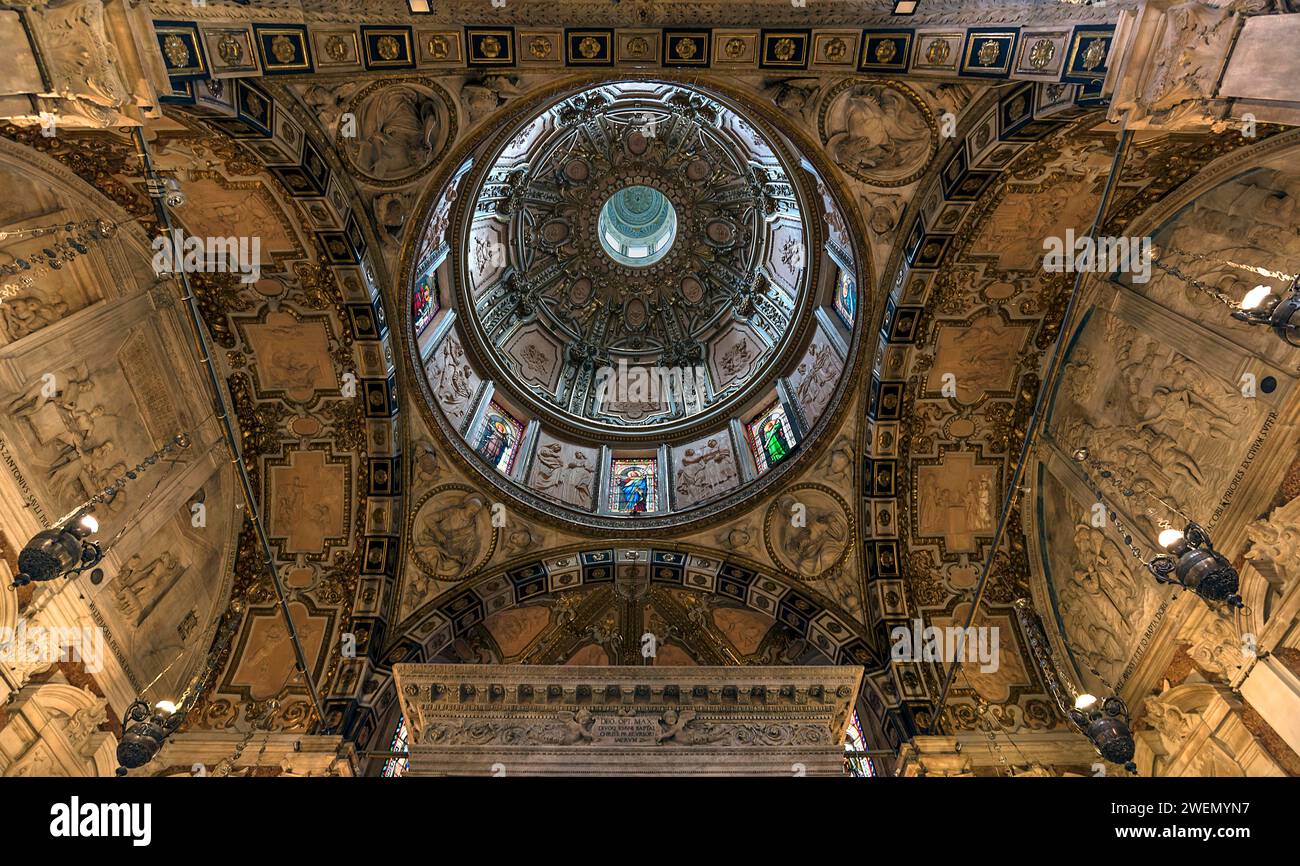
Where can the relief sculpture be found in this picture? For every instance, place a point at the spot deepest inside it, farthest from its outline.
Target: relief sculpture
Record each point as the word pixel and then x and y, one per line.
pixel 703 470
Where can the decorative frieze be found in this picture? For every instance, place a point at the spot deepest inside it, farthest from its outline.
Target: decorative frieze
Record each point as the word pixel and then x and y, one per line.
pixel 562 720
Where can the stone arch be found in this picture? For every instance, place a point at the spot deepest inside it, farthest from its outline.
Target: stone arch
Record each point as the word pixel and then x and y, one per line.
pixel 53 731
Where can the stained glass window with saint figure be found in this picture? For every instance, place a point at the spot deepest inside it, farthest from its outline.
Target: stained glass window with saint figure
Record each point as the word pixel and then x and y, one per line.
pixel 633 485
pixel 498 438
pixel 396 766
pixel 424 306
pixel 846 297
pixel 771 438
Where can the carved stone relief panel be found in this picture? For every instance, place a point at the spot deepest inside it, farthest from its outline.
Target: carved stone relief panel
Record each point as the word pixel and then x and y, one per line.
pixel 292 355
pixel 308 501
pixel 565 472
pixel 958 500
pixel 704 469
pixel 537 356
pixel 61 422
pixel 980 359
pixel 154 599
pixel 1103 598
pixel 36 298
pixel 215 206
pixel 1165 425
pixel 455 383
pixel 452 532
pixel 809 531
pixel 265 656
pixel 813 382
pixel 787 254
pixel 995 669
pixel 401 130
pixel 1231 238
pixel 734 355
pixel 486 254
pixel 881 132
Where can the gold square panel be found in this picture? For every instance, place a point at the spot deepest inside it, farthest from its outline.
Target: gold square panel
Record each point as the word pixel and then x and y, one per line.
pixel 937 52
pixel 1041 54
pixel 735 47
pixel 231 51
pixel 336 48
pixel 636 46
pixel 834 48
pixel 438 47
pixel 541 47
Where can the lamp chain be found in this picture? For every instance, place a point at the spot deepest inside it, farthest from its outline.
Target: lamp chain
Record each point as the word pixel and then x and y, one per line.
pixel 1085 459
pixel 180 440
pixel 59 252
pixel 1195 283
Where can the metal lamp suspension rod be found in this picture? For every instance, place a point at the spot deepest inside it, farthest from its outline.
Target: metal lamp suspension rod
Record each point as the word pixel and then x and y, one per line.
pixel 1031 432
pixel 227 426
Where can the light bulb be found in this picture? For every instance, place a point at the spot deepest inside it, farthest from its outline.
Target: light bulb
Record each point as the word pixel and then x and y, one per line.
pixel 89 523
pixel 1084 702
pixel 165 706
pixel 1255 297
pixel 1168 537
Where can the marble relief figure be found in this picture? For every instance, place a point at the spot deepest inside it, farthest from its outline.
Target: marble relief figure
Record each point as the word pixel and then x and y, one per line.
pixel 23 316
pixel 140 584
pixel 564 472
pixel 400 128
pixel 704 471
pixel 877 132
pixel 449 533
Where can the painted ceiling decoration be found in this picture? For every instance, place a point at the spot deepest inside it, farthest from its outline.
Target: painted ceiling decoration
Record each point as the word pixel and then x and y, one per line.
pixel 725 323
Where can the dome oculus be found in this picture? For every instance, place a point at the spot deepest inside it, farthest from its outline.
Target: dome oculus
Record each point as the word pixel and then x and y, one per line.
pixel 637 226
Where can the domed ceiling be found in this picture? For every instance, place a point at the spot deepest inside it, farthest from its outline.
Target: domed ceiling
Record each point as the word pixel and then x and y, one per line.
pixel 612 302
pixel 690 196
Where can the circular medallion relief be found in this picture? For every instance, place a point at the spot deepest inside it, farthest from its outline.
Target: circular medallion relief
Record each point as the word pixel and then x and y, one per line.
pixel 809 532
pixel 452 532
pixel 880 132
pixel 401 130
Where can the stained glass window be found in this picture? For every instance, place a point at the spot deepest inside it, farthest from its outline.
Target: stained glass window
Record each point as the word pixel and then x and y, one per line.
pixel 396 766
pixel 846 297
pixel 425 304
pixel 498 438
pixel 857 765
pixel 771 438
pixel 633 485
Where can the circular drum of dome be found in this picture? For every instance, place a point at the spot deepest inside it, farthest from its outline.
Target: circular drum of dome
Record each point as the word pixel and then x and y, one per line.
pixel 622 288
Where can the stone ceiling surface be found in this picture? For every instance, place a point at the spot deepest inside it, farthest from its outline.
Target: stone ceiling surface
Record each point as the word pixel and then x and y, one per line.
pixel 933 194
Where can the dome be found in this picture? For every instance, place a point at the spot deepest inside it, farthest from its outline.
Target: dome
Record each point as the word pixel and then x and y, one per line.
pixel 630 276
pixel 632 223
